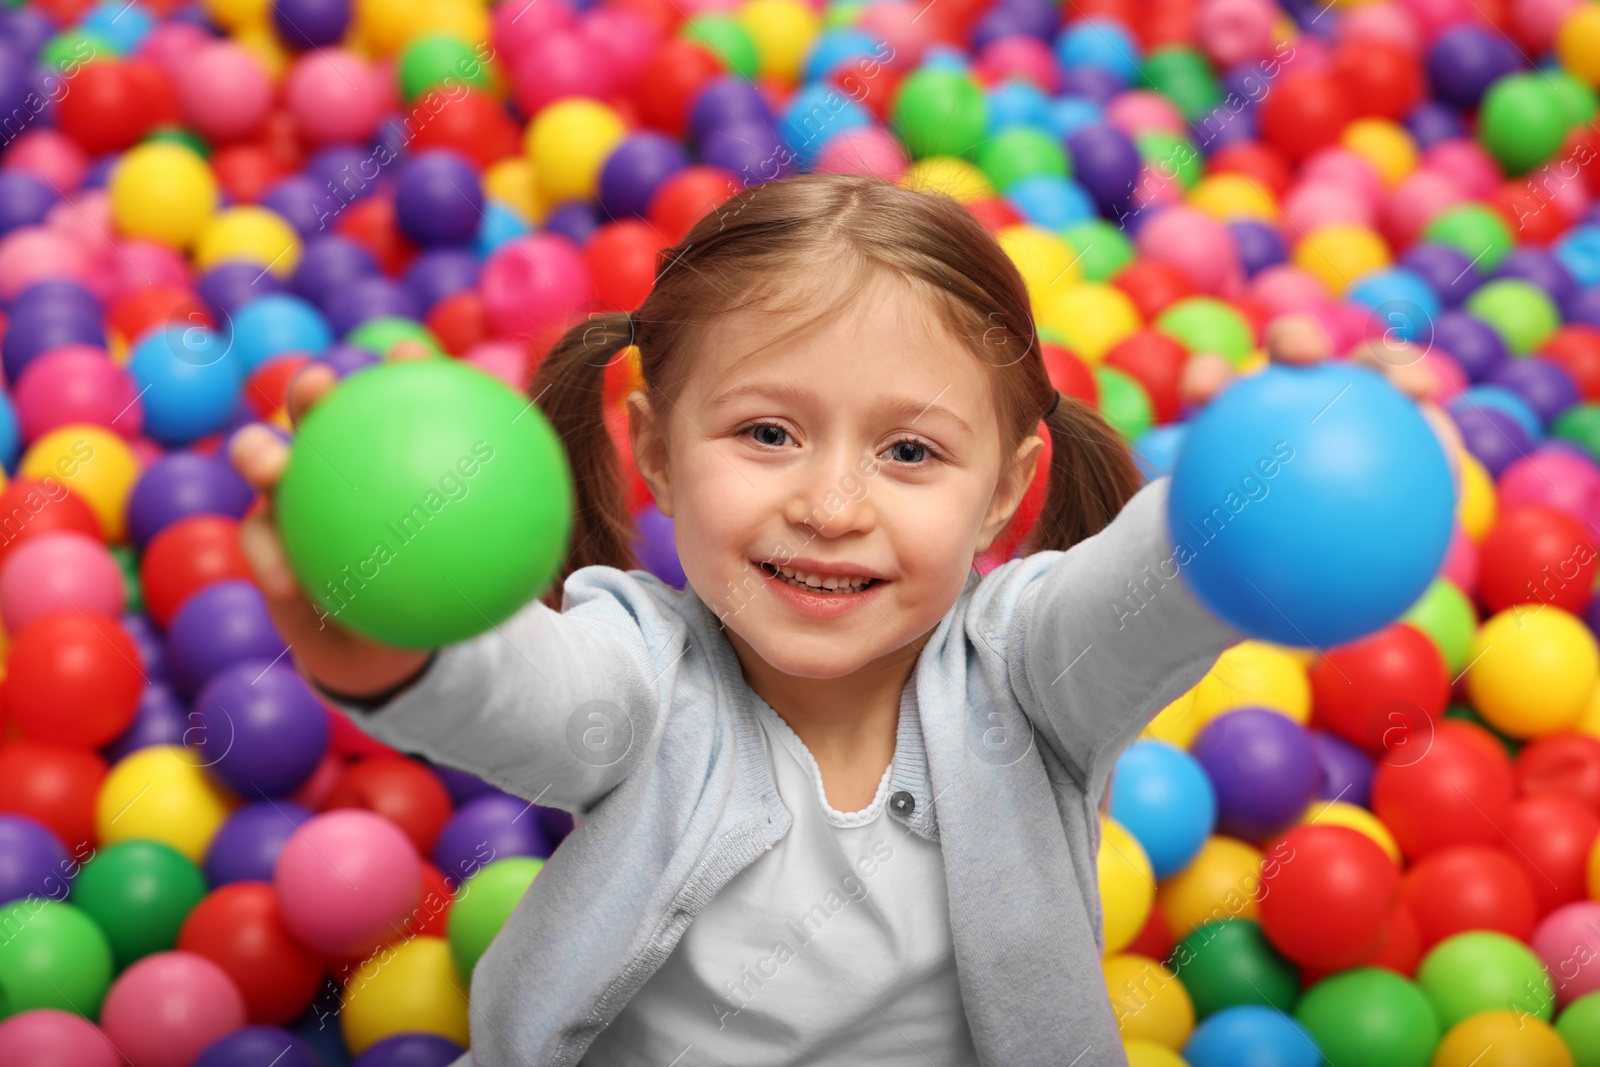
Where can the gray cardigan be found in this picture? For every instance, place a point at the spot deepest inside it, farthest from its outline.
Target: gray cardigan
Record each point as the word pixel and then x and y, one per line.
pixel 628 709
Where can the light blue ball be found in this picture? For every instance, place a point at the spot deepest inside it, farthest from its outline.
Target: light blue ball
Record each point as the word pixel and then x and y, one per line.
pixel 1051 201
pixel 817 114
pixel 188 383
pixel 1403 304
pixel 834 47
pixel 1310 505
pixel 1017 103
pixel 1578 250
pixel 276 325
pixel 1070 114
pixel 124 26
pixel 1251 1036
pixel 499 225
pixel 1103 43
pixel 10 434
pixel 1156 450
pixel 1162 796
pixel 1499 398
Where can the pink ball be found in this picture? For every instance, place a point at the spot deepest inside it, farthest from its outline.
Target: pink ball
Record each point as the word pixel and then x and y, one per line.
pixel 621 40
pixel 170 44
pixel 1318 203
pixel 691 8
pixel 1567 941
pixel 344 879
pixel 1452 380
pixel 61 571
pixel 1554 476
pixel 335 96
pixel 1340 166
pixel 32 254
pixel 1285 287
pixel 506 360
pixel 1309 54
pixel 136 264
pixel 1198 245
pixel 513 27
pixel 533 285
pixel 223 90
pixel 1571 198
pixel 1433 17
pixel 45 1037
pixel 1139 110
pixel 896 24
pixel 51 155
pixel 1464 162
pixel 76 384
pixel 1379 23
pixel 561 64
pixel 864 150
pixel 1236 31
pixel 1538 21
pixel 165 1009
pixel 1021 57
pixel 1417 200
pixel 1461 561
pixel 1154 189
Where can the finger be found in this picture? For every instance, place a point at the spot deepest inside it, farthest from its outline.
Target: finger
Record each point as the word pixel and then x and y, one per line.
pixel 313 383
pixel 1297 338
pixel 408 350
pixel 259 542
pixel 259 455
pixel 1204 377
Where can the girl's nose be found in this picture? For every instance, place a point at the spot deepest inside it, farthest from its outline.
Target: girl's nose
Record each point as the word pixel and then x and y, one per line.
pixel 831 499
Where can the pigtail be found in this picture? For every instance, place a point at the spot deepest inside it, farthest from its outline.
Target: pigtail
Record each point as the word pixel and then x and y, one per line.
pixel 569 388
pixel 1092 475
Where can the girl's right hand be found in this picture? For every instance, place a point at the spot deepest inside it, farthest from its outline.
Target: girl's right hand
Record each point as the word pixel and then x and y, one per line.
pixel 337 659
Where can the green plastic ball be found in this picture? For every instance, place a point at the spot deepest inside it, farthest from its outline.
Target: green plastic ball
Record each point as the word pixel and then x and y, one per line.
pixel 1103 248
pixel 1475 231
pixel 380 335
pixel 1447 616
pixel 139 893
pixel 1370 1017
pixel 1206 324
pixel 1483 971
pixel 1230 963
pixel 1183 76
pixel 1521 313
pixel 52 955
pixel 843 15
pixel 1579 1027
pixel 939 113
pixel 1522 121
pixel 1172 156
pixel 437 59
pixel 485 902
pixel 1022 152
pixel 1578 101
pixel 70 49
pixel 424 502
pixel 727 40
pixel 1580 424
pixel 1123 401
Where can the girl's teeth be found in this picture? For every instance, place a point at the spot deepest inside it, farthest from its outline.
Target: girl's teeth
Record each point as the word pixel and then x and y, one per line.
pixel 831 584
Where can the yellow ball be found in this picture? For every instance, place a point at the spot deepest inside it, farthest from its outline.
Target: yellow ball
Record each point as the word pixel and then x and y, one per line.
pixel 948 176
pixel 1151 1004
pixel 511 182
pixel 1339 253
pixel 1233 196
pixel 1222 882
pixel 1384 144
pixel 1475 503
pixel 1534 669
pixel 161 793
pixel 1254 674
pixel 1176 724
pixel 1147 1054
pixel 162 192
pixel 251 234
pixel 1091 317
pixel 1578 44
pixel 1502 1039
pixel 406 986
pixel 568 143
pixel 262 42
pixel 1338 813
pixel 1589 721
pixel 462 19
pixel 386 26
pixel 783 32
pixel 1044 260
pixel 92 462
pixel 1127 884
pixel 232 14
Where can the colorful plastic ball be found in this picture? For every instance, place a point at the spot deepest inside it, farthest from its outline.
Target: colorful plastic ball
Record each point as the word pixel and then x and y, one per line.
pixel 183 484
pixel 252 234
pixel 568 142
pixel 414 988
pixel 224 91
pixel 1206 324
pixel 75 384
pixel 163 192
pixel 1091 318
pixel 335 97
pixel 410 1050
pixel 403 791
pixel 258 726
pixel 222 624
pixel 1551 839
pixel 247 846
pixel 488 826
pixel 264 1044
pixel 138 893
pixel 1532 555
pixel 1544 668
pixel 1546 387
pixel 1579 1028
pixel 1563 764
pixel 1326 906
pixel 72 678
pixel 1522 122
pixel 1469 887
pixel 1370 1017
pixel 303 24
pixel 62 571
pixel 1222 882
pixel 1382 691
pixel 344 878
pixel 1262 768
pixel 1127 885
pixel 1446 615
pixel 54 956
pixel 1475 231
pixel 165 1009
pixel 1465 60
pixel 38 328
pixel 485 902
pixel 274 325
pixel 1502 1038
pixel 1567 941
pixel 1163 797
pixel 1149 1001
pixel 1106 162
pixel 54 785
pixel 95 465
pixel 1339 253
pixel 240 928
pixel 1523 314
pixel 188 384
pixel 32 861
pixel 185 557
pixel 49 1037
pixel 1456 790
pixel 438 199
pixel 1481 971
pixel 1253 1035
pixel 177 803
pixel 1197 244
pixel 1229 962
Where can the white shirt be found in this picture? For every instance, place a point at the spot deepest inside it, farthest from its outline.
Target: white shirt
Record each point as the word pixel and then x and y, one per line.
pixel 833 948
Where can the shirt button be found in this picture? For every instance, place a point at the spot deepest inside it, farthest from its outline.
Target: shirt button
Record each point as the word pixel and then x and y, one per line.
pixel 903 803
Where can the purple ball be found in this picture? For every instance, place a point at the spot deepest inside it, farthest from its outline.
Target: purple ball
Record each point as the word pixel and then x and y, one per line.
pixel 26 30
pixel 1105 162
pixel 366 299
pixel 1093 83
pixel 656 548
pixel 726 101
pixel 1431 122
pixel 306 205
pixel 1463 63
pixel 24 200
pixel 36 328
pixel 221 625
pixel 330 263
pixel 182 484
pixel 442 272
pixel 1014 18
pixel 1538 267
pixel 1494 438
pixel 1263 768
pixel 1547 387
pixel 148 641
pixel 247 844
pixel 33 862
pixel 1471 342
pixel 160 720
pixel 1585 307
pixel 463 786
pixel 494 826
pixel 410 1050
pixel 438 199
pixel 345 174
pixel 1448 273
pixel 260 728
pixel 557 824
pixel 1346 770
pixel 1260 245
pixel 575 220
pixel 258 1046
pixel 64 297
pixel 635 169
pixel 750 150
pixel 303 24
pixel 347 359
pixel 229 286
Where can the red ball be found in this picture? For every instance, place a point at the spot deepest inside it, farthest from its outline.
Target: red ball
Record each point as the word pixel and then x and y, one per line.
pixel 246 170
pixel 1536 555
pixel 240 928
pixel 73 678
pixel 1402 942
pixel 1156 361
pixel 685 198
pixel 1564 764
pixel 622 260
pixel 1152 286
pixel 1364 690
pixel 267 390
pixel 1550 838
pixel 1326 906
pixel 1069 374
pixel 1154 940
pixel 1469 887
pixel 101 109
pixel 1306 112
pixel 459 321
pixel 154 307
pixel 54 785
pixel 370 223
pixel 994 213
pixel 671 80
pixel 402 791
pixel 1575 348
pixel 32 507
pixel 1529 214
pixel 185 557
pixel 472 124
pixel 1456 791
pixel 431 916
pixel 1383 79
pixel 1261 163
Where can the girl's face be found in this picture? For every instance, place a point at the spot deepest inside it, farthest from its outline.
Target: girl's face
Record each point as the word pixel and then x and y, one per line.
pixel 868 448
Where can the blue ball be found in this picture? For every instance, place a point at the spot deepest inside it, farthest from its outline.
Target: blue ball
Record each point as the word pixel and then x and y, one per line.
pixel 188 381
pixel 1156 450
pixel 817 114
pixel 10 435
pixel 1402 303
pixel 1578 250
pixel 1499 398
pixel 1251 1036
pixel 1069 114
pixel 1310 505
pixel 1017 103
pixel 1051 201
pixel 1103 43
pixel 276 325
pixel 123 25
pixel 1162 796
pixel 500 224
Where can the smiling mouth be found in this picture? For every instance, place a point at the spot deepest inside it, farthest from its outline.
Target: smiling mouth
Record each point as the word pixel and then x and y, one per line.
pixel 843 590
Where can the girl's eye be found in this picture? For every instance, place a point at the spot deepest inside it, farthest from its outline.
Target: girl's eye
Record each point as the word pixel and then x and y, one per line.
pixel 768 433
pixel 910 451
pixel 907 450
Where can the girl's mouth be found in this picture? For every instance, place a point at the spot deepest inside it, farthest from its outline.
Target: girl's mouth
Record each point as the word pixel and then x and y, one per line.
pixel 843 588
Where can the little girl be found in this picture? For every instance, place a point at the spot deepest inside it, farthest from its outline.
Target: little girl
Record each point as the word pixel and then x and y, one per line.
pixel 838 799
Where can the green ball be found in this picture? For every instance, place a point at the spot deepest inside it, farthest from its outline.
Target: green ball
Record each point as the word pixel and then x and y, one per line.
pixel 1580 424
pixel 440 58
pixel 1483 971
pixel 483 905
pixel 1447 616
pixel 1206 324
pixel 1022 152
pixel 1370 1017
pixel 1522 121
pixel 70 49
pixel 1475 231
pixel 1579 1027
pixel 1171 156
pixel 939 113
pixel 1183 76
pixel 52 955
pixel 1103 248
pixel 726 39
pixel 1123 402
pixel 380 335
pixel 1520 312
pixel 1578 101
pixel 844 14
pixel 1230 963
pixel 139 892
pixel 425 502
